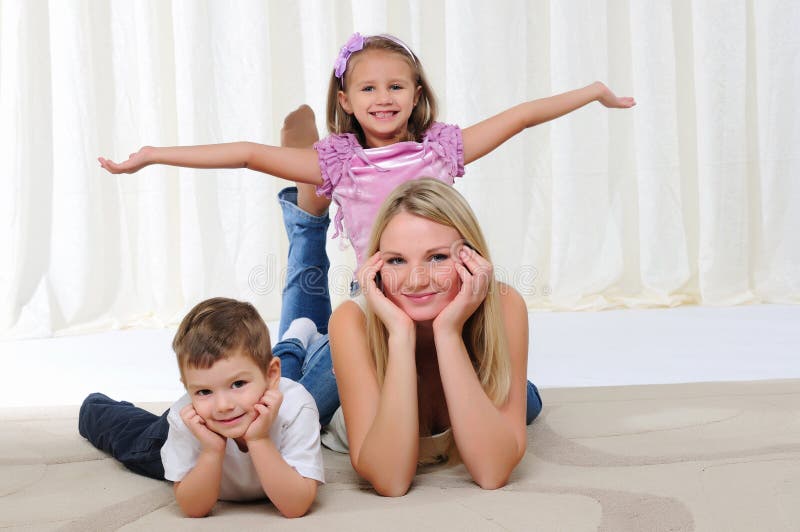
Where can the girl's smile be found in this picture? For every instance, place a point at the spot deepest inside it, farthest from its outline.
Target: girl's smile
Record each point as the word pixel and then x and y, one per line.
pixel 381 92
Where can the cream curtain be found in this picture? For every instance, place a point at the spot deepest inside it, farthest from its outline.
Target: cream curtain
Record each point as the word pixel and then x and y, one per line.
pixel 692 197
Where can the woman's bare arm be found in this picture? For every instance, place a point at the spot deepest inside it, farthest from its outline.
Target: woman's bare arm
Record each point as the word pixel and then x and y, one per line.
pixel 382 422
pixel 491 440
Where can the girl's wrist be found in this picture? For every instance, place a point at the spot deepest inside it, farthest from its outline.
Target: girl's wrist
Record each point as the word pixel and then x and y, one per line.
pixel 151 154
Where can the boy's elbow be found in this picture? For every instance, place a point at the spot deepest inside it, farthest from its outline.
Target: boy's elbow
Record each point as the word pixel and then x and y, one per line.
pixel 299 504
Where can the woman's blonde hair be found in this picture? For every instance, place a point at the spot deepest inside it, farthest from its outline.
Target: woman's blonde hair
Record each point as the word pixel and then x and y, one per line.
pixel 484 333
pixel 424 113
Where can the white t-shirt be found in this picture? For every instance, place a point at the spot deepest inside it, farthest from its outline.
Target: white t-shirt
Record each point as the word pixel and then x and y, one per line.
pixel 295 433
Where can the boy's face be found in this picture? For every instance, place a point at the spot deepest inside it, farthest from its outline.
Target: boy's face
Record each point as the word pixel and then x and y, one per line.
pixel 224 395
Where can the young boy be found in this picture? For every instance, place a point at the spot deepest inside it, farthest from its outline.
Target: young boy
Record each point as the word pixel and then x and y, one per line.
pixel 241 432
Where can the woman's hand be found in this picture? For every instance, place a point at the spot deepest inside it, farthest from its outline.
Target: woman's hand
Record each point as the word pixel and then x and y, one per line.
pixel 395 320
pixel 136 161
pixel 611 100
pixel 475 273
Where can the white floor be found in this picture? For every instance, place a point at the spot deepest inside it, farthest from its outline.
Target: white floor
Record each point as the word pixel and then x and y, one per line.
pixel 686 344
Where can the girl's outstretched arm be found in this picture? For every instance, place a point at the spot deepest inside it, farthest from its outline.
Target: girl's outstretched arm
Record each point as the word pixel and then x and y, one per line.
pixel 295 164
pixel 485 136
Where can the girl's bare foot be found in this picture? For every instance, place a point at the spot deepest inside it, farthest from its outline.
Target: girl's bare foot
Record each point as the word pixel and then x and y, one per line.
pixel 300 131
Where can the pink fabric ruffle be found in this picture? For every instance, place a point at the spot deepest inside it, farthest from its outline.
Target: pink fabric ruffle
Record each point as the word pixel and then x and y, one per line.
pixel 334 153
pixel 449 138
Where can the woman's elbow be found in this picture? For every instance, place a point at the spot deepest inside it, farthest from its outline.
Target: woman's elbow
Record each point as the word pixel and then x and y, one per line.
pixel 491 480
pixel 294 513
pixel 392 488
pixel 195 513
pixel 387 483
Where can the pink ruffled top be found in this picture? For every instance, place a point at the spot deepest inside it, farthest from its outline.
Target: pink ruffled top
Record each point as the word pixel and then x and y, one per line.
pixel 359 179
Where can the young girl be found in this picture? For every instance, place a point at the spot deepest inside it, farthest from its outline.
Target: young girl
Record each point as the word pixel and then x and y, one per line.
pixel 382 116
pixel 433 359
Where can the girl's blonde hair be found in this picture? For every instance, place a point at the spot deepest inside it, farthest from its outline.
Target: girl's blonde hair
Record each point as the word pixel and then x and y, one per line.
pixel 484 333
pixel 424 113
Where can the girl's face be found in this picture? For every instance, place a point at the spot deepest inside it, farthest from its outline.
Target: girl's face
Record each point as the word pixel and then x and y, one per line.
pixel 381 91
pixel 418 273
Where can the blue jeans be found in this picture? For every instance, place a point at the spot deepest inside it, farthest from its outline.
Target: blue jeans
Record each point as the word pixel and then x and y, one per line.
pixel 534 403
pixel 128 433
pixel 306 295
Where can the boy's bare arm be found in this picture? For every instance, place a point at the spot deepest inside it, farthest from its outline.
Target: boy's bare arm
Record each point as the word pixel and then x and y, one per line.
pixel 290 492
pixel 198 492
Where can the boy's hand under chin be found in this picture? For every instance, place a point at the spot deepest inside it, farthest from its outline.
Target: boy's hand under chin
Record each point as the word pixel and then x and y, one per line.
pixel 209 440
pixel 266 410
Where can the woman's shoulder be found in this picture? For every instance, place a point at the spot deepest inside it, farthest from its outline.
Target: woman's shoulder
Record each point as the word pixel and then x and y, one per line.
pixel 511 300
pixel 347 315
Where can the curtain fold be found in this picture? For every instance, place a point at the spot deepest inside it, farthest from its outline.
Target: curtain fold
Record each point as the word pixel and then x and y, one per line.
pixel 690 198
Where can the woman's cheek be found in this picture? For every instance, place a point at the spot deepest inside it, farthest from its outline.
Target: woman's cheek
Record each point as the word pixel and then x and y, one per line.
pixel 389 281
pixel 447 279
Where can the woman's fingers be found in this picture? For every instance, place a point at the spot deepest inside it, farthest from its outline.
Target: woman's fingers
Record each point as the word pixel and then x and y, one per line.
pixel 368 272
pixel 476 274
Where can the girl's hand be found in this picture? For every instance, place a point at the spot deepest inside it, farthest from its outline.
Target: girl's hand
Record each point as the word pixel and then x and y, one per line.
pixel 266 412
pixel 395 320
pixel 209 440
pixel 475 273
pixel 136 161
pixel 611 100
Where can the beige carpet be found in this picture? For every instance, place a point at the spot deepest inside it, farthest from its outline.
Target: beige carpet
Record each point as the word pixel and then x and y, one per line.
pixel 722 456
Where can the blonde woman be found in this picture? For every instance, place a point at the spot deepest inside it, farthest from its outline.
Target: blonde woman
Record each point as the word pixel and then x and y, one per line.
pixel 431 359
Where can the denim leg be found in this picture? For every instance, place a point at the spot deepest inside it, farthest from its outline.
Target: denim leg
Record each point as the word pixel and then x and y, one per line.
pixel 319 380
pixel 306 291
pixel 130 434
pixel 292 355
pixel 534 403
pixel 313 369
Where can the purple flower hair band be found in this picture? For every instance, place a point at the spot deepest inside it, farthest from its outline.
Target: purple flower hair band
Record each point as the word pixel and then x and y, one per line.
pixel 354 44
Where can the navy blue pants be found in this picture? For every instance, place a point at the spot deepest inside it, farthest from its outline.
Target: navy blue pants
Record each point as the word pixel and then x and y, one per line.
pixel 128 433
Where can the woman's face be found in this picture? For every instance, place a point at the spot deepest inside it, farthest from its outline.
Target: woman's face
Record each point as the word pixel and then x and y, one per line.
pixel 418 273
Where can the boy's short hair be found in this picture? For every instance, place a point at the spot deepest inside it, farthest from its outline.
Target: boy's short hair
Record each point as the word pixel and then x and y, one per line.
pixel 217 327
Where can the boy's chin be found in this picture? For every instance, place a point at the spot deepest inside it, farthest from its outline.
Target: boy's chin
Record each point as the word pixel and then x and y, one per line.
pixel 233 434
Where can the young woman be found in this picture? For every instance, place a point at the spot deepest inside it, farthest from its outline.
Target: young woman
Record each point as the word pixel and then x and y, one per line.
pixel 431 359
